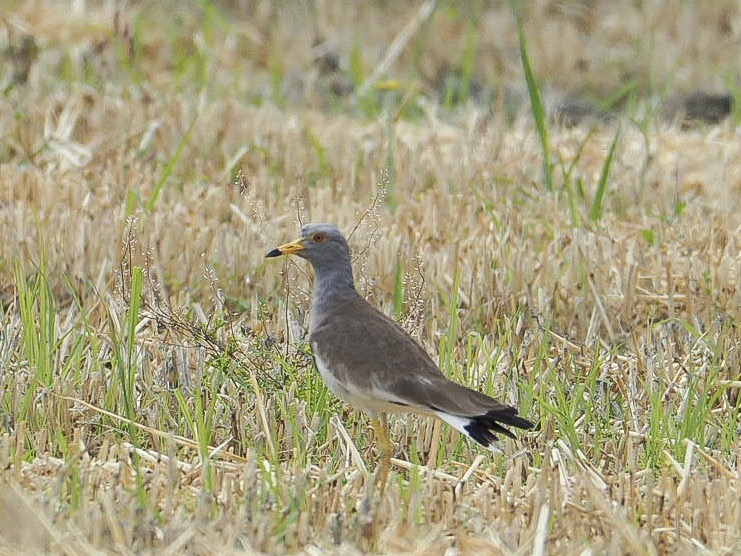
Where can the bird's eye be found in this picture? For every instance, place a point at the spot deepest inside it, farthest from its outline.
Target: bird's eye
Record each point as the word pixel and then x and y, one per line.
pixel 318 238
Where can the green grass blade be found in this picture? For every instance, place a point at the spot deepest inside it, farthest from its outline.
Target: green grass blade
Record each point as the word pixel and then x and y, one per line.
pixel 127 367
pixel 468 64
pixel 597 209
pixel 568 183
pixel 536 105
pixel 170 166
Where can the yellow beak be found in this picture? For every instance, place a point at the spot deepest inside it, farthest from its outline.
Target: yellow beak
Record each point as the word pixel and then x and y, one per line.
pixel 287 249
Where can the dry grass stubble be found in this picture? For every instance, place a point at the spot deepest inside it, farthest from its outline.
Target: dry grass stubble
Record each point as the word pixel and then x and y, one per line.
pixel 205 429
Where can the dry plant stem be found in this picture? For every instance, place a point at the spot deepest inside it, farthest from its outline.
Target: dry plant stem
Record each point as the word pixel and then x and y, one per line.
pixel 398 45
pixel 385 448
pixel 435 443
pixel 263 415
pixel 357 459
pixel 154 432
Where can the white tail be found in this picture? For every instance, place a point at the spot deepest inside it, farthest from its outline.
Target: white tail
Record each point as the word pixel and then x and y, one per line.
pixel 460 423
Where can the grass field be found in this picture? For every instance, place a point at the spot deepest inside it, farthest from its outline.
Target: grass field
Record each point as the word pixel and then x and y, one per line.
pixel 157 394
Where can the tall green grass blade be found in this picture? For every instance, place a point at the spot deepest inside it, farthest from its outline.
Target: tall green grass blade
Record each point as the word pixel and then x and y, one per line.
pixel 170 166
pixel 536 105
pixel 204 418
pixel 468 63
pixel 127 368
pixel 357 73
pixel 276 67
pixel 568 183
pixel 321 154
pixel 37 310
pixel 132 201
pixel 595 213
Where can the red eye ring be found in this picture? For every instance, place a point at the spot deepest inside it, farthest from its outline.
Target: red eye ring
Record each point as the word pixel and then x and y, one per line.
pixel 318 237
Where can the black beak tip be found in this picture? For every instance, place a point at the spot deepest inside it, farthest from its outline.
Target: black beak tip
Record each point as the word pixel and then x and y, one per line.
pixel 273 253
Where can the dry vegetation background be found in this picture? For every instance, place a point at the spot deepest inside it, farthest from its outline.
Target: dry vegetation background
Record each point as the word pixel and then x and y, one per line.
pixel 155 392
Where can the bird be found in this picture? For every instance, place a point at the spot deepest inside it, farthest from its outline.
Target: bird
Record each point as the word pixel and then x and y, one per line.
pixel 370 362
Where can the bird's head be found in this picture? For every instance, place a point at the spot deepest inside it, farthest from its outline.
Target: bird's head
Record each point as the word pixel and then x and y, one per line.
pixel 323 245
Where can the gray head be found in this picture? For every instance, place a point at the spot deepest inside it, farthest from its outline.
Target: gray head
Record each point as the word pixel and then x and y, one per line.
pixel 324 246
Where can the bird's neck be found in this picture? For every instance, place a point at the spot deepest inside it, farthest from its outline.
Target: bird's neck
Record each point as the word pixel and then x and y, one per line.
pixel 333 283
pixel 332 286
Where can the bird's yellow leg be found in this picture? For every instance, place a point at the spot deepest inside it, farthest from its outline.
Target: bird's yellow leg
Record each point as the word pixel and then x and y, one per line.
pixel 380 427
